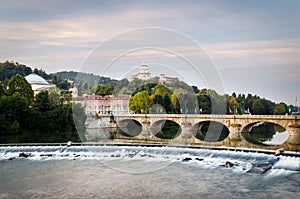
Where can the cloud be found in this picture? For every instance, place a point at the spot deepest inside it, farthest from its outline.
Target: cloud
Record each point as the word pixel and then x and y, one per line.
pixel 273 52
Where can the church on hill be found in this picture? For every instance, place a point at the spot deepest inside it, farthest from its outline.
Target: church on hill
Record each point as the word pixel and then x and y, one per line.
pixel 144 74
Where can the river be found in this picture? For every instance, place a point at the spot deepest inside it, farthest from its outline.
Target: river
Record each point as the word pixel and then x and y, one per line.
pixel 146 171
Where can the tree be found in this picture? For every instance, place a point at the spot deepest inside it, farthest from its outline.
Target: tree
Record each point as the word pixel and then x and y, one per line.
pixel 218 102
pixel 280 109
pixel 204 104
pixel 13 111
pixel 167 104
pixel 158 99
pixel 195 89
pixel 103 90
pixel 64 85
pixel 18 84
pixel 262 107
pixel 121 85
pixel 161 90
pixel 2 92
pixel 79 118
pixel 146 87
pixel 9 69
pixel 140 102
pixel 42 101
pixel 233 104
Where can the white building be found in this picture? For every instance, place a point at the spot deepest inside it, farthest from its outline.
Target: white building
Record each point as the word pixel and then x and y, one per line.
pixel 108 104
pixel 163 79
pixel 38 83
pixel 144 73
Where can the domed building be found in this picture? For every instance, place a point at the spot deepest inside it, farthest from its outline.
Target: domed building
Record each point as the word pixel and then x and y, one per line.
pixel 38 83
pixel 144 73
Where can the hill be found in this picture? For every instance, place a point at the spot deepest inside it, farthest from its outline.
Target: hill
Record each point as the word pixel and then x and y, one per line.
pixel 81 77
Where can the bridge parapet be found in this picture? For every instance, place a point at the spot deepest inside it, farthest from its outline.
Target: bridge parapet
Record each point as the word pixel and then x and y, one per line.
pixel 227 120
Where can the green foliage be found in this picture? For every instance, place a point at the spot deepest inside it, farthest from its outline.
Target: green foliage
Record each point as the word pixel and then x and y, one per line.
pixel 158 99
pixel 195 89
pixel 157 104
pixel 167 104
pixel 18 84
pixel 2 92
pixel 161 90
pixel 262 107
pixel 84 77
pixel 145 87
pixel 42 101
pixel 46 120
pixel 140 102
pixel 9 69
pixel 13 110
pixel 103 90
pixel 64 85
pixel 233 104
pixel 42 73
pixel 218 102
pixel 85 82
pixel 204 104
pixel 280 109
pixel 120 87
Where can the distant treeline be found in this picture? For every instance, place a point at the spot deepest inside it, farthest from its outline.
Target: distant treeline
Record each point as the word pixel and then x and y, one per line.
pixel 148 96
pixel 85 82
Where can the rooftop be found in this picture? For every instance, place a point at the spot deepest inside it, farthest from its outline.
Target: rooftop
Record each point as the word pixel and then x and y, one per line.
pixel 36 79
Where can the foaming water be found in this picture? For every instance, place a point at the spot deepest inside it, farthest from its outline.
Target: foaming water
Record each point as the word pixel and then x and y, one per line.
pixel 145 172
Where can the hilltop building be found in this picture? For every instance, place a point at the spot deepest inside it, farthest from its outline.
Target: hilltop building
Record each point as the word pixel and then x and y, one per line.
pixel 108 104
pixel 144 74
pixel 38 83
pixel 163 79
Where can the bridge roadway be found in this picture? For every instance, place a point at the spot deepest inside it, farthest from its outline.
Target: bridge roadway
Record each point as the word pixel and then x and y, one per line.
pixel 237 126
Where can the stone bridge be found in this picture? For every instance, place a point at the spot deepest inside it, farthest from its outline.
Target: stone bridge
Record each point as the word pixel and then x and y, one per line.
pixel 147 127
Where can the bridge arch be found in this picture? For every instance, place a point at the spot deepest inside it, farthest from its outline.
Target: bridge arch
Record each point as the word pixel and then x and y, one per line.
pixel 210 131
pixel 165 129
pixel 260 132
pixel 129 127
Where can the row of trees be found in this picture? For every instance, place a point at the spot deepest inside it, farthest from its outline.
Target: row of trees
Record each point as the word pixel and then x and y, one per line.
pixel 9 69
pixel 47 117
pixel 157 98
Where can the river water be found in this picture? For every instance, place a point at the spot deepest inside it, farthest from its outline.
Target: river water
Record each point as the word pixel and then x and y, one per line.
pixel 129 171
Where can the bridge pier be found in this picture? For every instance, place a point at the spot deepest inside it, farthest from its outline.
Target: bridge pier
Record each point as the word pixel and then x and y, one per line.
pixel 186 136
pixel 293 142
pixel 235 137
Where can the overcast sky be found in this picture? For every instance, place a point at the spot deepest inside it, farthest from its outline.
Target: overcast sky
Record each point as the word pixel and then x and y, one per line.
pixel 247 46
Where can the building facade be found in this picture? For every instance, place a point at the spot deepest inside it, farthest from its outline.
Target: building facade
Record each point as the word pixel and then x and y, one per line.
pixel 144 73
pixel 109 104
pixel 163 79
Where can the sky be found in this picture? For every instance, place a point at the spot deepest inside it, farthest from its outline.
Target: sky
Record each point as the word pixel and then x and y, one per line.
pixel 230 45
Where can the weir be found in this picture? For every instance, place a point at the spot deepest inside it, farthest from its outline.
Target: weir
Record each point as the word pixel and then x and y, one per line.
pixel 147 126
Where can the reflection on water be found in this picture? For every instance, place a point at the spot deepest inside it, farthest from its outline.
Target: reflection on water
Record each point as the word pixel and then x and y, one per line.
pixel 278 138
pixel 269 133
